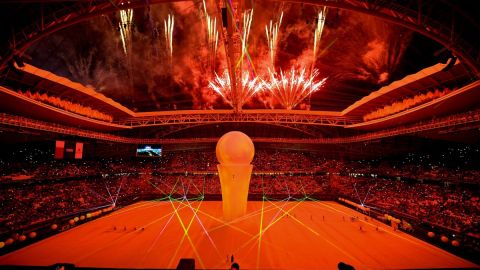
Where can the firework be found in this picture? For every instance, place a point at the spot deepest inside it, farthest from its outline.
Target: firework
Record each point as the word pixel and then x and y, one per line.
pixel 168 23
pixel 289 89
pixel 204 7
pixel 247 23
pixel 318 32
pixel 125 26
pixel 250 86
pixel 212 36
pixel 271 31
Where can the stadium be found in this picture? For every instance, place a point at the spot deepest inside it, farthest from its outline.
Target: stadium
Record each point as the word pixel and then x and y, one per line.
pixel 239 134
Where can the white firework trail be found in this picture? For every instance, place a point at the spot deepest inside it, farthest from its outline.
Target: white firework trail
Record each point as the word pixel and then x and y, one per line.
pixel 318 32
pixel 247 23
pixel 168 24
pixel 249 88
pixel 125 26
pixel 271 32
pixel 289 89
pixel 212 35
pixel 204 7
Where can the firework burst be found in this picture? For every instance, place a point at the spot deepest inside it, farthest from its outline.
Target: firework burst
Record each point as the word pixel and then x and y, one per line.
pixel 318 33
pixel 168 24
pixel 271 31
pixel 250 86
pixel 247 23
pixel 212 35
pixel 125 26
pixel 291 88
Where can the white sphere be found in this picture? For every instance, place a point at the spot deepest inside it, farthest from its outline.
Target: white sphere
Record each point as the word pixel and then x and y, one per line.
pixel 235 147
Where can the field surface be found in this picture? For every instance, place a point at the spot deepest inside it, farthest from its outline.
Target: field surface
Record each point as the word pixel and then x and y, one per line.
pixel 273 235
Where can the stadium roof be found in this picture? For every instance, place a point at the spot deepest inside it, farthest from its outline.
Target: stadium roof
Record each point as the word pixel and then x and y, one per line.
pixel 370 56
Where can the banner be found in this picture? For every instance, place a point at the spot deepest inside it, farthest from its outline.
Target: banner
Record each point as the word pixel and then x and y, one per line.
pixel 78 150
pixel 59 149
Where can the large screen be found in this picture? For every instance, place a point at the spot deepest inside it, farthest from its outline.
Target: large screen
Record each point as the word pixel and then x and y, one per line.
pixel 68 150
pixel 149 151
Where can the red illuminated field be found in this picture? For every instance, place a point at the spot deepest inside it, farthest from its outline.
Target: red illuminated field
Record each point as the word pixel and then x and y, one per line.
pixel 312 235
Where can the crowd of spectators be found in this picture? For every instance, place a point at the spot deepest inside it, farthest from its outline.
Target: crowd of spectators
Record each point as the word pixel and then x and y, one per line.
pixel 452 207
pixel 412 166
pixel 30 202
pixel 287 185
pixel 183 161
pixel 57 188
pixel 27 203
pixel 11 171
pixel 264 160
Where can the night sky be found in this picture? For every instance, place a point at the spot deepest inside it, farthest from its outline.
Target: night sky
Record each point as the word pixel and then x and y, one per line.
pixel 358 55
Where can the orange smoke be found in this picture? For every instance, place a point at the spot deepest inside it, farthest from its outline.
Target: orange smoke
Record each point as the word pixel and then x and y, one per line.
pixel 68 106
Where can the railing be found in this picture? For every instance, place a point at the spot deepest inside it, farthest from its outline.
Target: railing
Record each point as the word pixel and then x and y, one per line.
pixel 245 116
pixel 445 122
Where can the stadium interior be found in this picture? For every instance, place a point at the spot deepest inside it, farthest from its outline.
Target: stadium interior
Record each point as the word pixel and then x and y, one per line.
pixel 364 116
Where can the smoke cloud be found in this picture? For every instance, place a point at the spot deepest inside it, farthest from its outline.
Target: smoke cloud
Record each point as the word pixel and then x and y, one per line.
pixel 357 54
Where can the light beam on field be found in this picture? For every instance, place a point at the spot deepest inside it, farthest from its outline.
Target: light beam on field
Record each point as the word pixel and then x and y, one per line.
pixel 201 224
pixel 154 242
pixel 100 196
pixel 186 235
pixel 271 31
pixel 256 236
pixel 260 233
pixel 358 196
pixel 224 224
pixel 125 26
pixel 274 217
pixel 366 196
pixel 118 192
pixel 168 25
pixel 109 194
pixel 291 88
pixel 192 183
pixel 249 87
pixel 166 196
pixel 287 212
pixel 318 34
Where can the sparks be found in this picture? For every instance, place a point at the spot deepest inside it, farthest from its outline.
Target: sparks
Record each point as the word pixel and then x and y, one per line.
pixel 289 89
pixel 212 36
pixel 168 23
pixel 318 33
pixel 247 23
pixel 125 26
pixel 204 7
pixel 271 31
pixel 250 86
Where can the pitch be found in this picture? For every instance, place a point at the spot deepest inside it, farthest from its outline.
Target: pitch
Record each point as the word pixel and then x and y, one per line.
pixel 273 235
